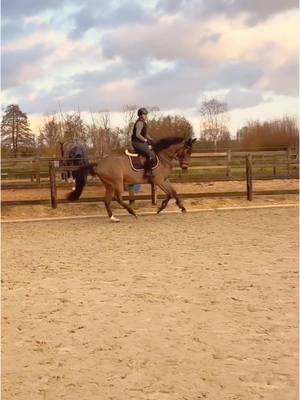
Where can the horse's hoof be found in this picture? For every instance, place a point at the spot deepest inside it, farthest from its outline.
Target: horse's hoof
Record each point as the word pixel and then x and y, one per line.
pixel 114 219
pixel 183 210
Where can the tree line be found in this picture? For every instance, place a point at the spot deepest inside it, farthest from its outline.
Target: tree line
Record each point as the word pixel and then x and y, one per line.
pixel 101 138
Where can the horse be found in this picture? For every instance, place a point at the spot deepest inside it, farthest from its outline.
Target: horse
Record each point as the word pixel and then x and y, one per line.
pixel 74 153
pixel 116 170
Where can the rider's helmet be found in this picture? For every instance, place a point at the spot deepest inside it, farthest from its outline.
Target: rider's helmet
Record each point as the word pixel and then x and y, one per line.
pixel 142 111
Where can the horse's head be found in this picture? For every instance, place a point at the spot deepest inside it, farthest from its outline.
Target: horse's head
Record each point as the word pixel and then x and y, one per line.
pixel 183 155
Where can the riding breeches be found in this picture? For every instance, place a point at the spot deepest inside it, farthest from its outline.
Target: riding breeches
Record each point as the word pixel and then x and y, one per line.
pixel 143 149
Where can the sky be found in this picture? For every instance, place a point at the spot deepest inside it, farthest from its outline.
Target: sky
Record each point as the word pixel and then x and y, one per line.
pixel 97 55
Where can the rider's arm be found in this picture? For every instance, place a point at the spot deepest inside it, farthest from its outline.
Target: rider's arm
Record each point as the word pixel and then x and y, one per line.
pixel 139 127
pixel 149 138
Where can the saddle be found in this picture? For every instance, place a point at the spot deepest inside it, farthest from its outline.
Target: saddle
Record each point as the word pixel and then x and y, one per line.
pixel 137 162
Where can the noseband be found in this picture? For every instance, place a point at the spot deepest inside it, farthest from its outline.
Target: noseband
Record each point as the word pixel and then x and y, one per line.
pixel 179 156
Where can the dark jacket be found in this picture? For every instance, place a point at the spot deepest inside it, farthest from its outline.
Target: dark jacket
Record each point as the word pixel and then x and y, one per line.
pixel 139 132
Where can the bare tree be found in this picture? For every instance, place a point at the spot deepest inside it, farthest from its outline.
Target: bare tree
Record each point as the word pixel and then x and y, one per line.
pixel 74 127
pixel 104 138
pixel 154 113
pixel 214 120
pixel 105 123
pixel 50 132
pixel 129 111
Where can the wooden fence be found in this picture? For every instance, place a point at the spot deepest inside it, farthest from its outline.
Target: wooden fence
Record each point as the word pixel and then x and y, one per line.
pixel 35 170
pixel 204 167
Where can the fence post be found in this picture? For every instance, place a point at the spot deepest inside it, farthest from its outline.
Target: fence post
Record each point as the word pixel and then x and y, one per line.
pixel 153 194
pixel 288 156
pixel 37 168
pixel 31 172
pixel 53 189
pixel 249 177
pixel 131 194
pixel 228 174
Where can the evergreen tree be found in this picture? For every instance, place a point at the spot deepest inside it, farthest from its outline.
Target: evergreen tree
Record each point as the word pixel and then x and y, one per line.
pixel 16 134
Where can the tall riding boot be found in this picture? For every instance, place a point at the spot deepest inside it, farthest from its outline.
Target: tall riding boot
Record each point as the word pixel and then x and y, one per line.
pixel 148 169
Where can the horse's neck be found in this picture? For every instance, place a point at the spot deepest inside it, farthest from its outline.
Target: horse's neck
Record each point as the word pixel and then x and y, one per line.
pixel 169 153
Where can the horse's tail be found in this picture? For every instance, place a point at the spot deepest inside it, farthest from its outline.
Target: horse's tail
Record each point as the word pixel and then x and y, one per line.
pixel 80 179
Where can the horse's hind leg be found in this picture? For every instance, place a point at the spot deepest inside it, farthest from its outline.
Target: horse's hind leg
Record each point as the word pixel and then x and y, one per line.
pixel 109 192
pixel 119 199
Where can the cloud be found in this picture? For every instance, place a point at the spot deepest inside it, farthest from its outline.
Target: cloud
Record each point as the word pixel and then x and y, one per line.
pixel 21 66
pixel 170 6
pixel 255 10
pixel 260 10
pixel 239 73
pixel 13 9
pixel 238 98
pixel 163 40
pixel 106 16
pixel 98 54
pixel 12 29
pixel 213 41
pixel 284 80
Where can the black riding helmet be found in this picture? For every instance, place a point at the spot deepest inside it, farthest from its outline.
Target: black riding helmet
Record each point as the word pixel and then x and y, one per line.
pixel 142 111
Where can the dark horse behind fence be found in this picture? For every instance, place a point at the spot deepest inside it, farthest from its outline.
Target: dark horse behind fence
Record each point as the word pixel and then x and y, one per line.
pixel 117 170
pixel 74 153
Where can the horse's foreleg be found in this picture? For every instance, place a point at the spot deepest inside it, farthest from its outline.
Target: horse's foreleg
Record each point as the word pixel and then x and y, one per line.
pixel 164 204
pixel 126 206
pixel 171 193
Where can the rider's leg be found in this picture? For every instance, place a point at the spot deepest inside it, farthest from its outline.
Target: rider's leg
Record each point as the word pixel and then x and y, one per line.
pixel 148 166
pixel 143 149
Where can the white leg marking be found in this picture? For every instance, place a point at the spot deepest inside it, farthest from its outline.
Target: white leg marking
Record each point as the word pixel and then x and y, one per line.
pixel 114 219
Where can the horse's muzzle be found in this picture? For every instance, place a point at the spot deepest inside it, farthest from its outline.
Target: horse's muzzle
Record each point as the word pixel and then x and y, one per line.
pixel 184 167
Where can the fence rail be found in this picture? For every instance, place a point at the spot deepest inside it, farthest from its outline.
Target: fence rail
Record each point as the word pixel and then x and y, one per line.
pixel 149 197
pixel 240 166
pixel 36 170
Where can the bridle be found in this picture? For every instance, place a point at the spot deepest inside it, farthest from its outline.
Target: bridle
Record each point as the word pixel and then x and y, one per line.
pixel 180 156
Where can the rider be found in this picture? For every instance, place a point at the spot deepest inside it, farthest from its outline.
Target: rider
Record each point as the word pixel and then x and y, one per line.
pixel 141 142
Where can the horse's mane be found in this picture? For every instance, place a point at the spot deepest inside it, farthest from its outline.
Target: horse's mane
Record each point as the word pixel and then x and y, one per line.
pixel 166 142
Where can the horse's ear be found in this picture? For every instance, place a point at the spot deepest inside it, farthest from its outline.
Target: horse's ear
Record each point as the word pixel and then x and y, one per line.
pixel 190 141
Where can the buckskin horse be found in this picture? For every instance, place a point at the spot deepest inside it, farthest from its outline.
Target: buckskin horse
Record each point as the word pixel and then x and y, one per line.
pixel 116 170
